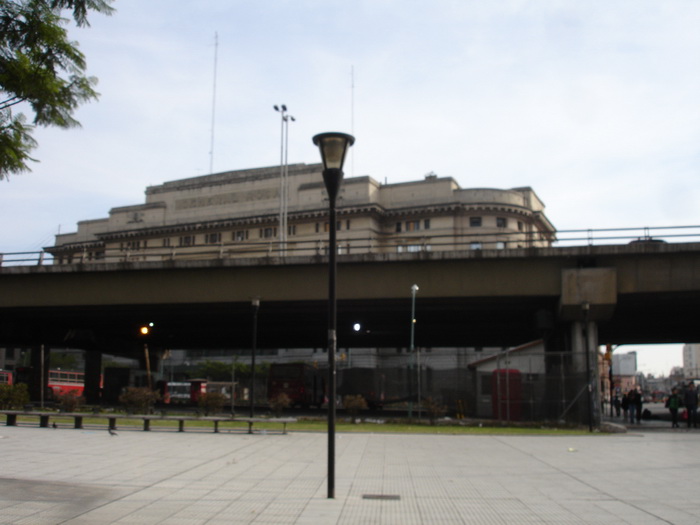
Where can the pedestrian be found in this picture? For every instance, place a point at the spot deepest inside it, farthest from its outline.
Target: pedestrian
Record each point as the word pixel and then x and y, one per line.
pixel 634 401
pixel 640 402
pixel 673 403
pixel 625 404
pixel 690 400
pixel 617 404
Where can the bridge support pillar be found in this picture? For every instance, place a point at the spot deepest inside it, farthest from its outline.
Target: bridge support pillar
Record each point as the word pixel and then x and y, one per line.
pixel 39 380
pixel 584 344
pixel 588 295
pixel 93 369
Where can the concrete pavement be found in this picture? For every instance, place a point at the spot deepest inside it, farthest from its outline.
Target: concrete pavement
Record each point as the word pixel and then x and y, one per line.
pixel 81 477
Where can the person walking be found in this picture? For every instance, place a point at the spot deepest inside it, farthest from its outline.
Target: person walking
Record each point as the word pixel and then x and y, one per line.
pixel 640 403
pixel 625 404
pixel 690 400
pixel 673 403
pixel 633 401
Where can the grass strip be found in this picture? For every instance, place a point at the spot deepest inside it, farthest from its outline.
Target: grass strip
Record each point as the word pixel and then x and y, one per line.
pixel 315 426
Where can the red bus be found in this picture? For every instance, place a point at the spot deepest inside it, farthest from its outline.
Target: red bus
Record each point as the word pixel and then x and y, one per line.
pixel 61 382
pixel 5 377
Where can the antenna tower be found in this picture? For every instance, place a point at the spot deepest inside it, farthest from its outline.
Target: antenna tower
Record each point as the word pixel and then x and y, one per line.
pixel 213 103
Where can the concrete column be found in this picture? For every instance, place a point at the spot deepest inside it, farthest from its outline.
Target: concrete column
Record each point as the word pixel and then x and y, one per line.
pixel 93 371
pixel 584 344
pixel 38 383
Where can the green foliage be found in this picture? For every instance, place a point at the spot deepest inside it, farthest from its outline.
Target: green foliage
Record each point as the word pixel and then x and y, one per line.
pixel 212 403
pixel 279 403
pixel 42 71
pixel 218 370
pixel 13 396
pixel 434 409
pixel 64 361
pixel 70 401
pixel 354 404
pixel 221 371
pixel 139 399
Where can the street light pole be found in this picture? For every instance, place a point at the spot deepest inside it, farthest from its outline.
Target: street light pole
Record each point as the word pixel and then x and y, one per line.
pixel 333 147
pixel 414 290
pixel 256 306
pixel 284 175
pixel 586 307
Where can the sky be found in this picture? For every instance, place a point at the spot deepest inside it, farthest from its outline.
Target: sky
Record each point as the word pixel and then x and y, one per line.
pixel 592 104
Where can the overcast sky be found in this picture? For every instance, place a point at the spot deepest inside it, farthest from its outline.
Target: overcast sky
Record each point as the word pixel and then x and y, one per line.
pixel 593 104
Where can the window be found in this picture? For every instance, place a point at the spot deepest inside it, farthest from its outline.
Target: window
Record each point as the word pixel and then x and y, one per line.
pixel 413 248
pixel 166 242
pixel 475 246
pixel 500 245
pixel 212 238
pixel 347 224
pixel 475 222
pixel 426 224
pixel 186 240
pixel 412 226
pixel 520 226
pixel 485 384
pixel 501 222
pixel 240 235
pixel 398 227
pixel 268 233
pixel 318 228
pixel 292 229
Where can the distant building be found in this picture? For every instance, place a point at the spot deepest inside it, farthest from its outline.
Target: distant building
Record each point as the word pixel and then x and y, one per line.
pixel 691 360
pixel 238 214
pixel 625 371
pixel 625 364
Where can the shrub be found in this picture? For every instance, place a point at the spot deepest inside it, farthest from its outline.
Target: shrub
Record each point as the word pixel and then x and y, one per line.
pixel 139 399
pixel 70 401
pixel 279 403
pixel 212 402
pixel 354 404
pixel 434 409
pixel 13 396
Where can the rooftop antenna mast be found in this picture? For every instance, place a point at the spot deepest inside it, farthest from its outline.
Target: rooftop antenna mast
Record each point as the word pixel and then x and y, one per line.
pixel 352 117
pixel 213 103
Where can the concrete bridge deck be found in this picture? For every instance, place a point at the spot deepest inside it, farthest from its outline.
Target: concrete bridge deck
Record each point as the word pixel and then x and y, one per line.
pixel 477 298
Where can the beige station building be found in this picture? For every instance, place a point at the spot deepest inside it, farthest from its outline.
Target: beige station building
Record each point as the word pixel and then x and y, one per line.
pixel 238 214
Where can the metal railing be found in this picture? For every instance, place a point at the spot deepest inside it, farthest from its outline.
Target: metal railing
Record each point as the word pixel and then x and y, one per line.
pixel 420 241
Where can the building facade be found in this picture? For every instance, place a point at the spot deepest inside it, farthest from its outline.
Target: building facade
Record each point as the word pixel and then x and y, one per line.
pixel 238 213
pixel 691 360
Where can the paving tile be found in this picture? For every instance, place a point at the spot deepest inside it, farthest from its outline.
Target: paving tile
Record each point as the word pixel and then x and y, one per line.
pixel 87 477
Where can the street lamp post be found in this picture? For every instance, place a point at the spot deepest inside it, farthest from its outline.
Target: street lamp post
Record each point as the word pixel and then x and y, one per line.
pixel 333 147
pixel 256 306
pixel 414 290
pixel 284 175
pixel 586 307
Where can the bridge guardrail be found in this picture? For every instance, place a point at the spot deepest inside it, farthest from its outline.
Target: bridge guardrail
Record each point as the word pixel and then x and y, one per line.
pixel 416 242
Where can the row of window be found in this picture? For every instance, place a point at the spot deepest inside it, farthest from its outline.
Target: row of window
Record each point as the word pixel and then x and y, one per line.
pixel 501 222
pixel 271 233
pixel 414 248
pixel 412 226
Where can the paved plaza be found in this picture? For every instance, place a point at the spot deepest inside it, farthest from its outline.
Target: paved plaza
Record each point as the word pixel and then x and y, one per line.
pixel 87 477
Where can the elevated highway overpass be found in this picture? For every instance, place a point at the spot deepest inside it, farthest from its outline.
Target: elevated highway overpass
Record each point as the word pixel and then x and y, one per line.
pixel 639 293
